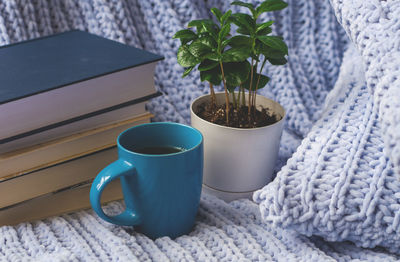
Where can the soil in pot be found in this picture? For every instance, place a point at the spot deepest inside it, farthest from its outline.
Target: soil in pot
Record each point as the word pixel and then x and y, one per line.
pixel 238 117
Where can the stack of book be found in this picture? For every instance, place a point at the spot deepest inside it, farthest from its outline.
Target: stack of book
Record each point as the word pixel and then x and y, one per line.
pixel 64 99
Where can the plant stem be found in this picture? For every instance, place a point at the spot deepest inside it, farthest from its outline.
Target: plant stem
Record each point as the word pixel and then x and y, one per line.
pixel 253 101
pixel 258 80
pixel 251 85
pixel 238 100
pixel 243 96
pixel 226 94
pixel 213 98
pixel 234 99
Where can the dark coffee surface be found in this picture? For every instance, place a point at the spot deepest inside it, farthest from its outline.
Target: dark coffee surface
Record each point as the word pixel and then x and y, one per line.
pixel 159 150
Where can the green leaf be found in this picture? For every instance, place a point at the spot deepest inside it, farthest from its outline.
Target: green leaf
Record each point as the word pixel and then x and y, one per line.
pixel 185 35
pixel 262 83
pixel 225 30
pixel 244 21
pixel 198 49
pixel 205 26
pixel 212 56
pixel 249 6
pixel 185 58
pixel 235 55
pixel 268 51
pixel 236 73
pixel 225 17
pixel 213 76
pixel 274 42
pixel 207 65
pixel 217 13
pixel 277 61
pixel 199 23
pixel 264 31
pixel 271 5
pixel 187 71
pixel 208 41
pixel 243 31
pixel 240 3
pixel 239 41
pixel 211 29
pixel 264 25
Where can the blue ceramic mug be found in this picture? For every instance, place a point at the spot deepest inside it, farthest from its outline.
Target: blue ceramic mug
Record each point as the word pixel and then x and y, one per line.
pixel 160 166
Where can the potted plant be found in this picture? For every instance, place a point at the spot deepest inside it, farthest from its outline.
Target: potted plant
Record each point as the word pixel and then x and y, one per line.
pixel 241 129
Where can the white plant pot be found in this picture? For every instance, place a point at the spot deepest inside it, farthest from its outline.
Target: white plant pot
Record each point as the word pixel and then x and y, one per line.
pixel 238 161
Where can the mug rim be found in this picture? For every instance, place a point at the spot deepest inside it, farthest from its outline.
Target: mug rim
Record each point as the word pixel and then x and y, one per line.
pixel 160 123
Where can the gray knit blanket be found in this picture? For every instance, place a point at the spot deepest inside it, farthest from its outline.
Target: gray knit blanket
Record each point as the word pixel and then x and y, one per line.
pixel 336 195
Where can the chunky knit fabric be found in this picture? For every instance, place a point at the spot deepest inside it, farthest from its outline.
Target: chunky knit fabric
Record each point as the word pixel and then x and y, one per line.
pixel 374 26
pixel 343 181
pixel 306 188
pixel 339 184
pixel 223 232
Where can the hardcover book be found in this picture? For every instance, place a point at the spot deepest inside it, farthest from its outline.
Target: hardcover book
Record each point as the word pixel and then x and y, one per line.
pixel 72 126
pixel 52 79
pixel 77 169
pixel 57 203
pixel 56 151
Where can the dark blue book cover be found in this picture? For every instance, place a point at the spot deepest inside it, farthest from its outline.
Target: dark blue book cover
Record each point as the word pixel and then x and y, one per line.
pixel 39 65
pixel 36 77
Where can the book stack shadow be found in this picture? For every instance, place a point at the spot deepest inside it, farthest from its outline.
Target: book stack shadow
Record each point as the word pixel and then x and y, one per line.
pixel 64 99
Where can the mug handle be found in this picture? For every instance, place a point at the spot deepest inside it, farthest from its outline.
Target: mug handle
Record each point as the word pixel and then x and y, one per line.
pixel 118 169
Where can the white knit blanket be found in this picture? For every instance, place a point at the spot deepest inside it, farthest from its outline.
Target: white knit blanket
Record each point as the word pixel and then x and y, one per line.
pixel 223 232
pixel 341 137
pixel 343 181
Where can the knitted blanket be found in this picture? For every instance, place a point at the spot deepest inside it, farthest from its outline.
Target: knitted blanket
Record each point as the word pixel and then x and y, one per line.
pixel 343 181
pixel 223 232
pixel 341 137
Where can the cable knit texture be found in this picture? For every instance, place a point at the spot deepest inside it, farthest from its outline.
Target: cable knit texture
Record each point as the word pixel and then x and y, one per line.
pixel 343 181
pixel 340 183
pixel 374 26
